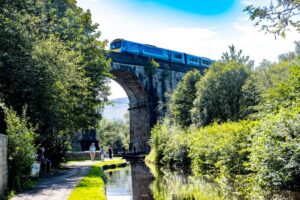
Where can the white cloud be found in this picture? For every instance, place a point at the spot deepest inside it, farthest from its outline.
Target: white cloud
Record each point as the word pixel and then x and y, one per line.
pixel 255 2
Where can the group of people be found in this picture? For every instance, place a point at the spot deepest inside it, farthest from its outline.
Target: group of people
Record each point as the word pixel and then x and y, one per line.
pixel 102 152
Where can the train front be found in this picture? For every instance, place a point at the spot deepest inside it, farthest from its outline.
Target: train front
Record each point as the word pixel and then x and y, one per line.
pixel 116 45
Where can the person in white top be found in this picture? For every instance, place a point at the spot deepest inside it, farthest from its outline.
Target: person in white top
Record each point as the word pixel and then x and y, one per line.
pixel 92 151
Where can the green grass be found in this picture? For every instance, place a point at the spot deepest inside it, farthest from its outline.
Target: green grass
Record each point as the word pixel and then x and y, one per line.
pixel 92 187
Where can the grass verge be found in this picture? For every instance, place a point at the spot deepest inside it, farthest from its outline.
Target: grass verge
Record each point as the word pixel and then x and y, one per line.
pixel 92 187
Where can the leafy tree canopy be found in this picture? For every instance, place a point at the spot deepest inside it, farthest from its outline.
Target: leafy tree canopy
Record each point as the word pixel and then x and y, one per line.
pixel 182 98
pixel 277 17
pixel 52 60
pixel 236 56
pixel 219 93
pixel 114 133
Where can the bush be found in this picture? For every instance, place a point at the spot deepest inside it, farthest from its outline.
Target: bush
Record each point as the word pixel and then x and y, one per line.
pixel 169 145
pixel 159 139
pixel 221 148
pixel 21 149
pixel 275 150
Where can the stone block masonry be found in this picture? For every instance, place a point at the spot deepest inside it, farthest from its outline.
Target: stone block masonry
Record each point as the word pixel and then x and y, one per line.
pixel 148 91
pixel 3 165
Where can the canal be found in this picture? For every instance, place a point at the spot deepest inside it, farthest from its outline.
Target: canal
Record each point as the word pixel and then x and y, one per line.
pixel 136 182
pixel 129 183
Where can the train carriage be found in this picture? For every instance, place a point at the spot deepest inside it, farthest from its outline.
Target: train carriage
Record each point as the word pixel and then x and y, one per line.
pixel 125 46
pixel 155 52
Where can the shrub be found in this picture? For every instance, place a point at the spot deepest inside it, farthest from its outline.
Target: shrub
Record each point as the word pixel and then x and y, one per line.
pixel 21 149
pixel 169 145
pixel 177 149
pixel 159 139
pixel 275 150
pixel 221 148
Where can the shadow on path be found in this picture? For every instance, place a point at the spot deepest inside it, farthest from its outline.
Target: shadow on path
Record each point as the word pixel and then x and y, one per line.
pixel 57 187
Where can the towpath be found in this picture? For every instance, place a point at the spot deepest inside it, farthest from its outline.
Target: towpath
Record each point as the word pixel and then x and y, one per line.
pixel 57 186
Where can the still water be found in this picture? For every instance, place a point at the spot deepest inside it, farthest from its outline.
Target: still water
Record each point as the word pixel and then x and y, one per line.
pixel 129 183
pixel 136 182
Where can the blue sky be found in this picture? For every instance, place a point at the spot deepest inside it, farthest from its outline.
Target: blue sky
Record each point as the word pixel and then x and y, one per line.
pixel 200 27
pixel 207 7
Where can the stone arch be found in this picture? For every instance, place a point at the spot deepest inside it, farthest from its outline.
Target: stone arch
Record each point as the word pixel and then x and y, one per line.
pixel 138 109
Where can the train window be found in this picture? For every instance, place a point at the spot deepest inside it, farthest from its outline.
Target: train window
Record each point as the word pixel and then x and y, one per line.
pixel 153 50
pixel 178 56
pixel 193 59
pixel 116 45
pixel 206 62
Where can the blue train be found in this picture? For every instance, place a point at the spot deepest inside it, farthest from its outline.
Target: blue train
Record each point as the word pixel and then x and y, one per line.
pixel 125 46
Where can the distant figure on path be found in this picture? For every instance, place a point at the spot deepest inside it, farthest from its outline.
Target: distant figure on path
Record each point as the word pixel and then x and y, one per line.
pixel 45 163
pixel 92 151
pixel 110 152
pixel 102 153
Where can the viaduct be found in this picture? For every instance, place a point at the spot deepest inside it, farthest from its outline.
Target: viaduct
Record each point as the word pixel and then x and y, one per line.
pixel 148 90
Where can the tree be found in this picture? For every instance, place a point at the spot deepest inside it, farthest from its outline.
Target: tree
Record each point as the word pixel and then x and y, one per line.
pixel 236 56
pixel 51 59
pixel 219 93
pixel 291 55
pixel 278 83
pixel 276 19
pixel 114 133
pixel 181 101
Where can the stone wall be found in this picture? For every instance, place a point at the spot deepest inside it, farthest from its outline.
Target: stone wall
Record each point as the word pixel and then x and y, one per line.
pixel 3 165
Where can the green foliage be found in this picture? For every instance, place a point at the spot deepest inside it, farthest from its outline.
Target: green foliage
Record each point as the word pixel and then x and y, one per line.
pixel 236 56
pixel 159 139
pixel 114 133
pixel 170 145
pixel 52 60
pixel 276 18
pixel 221 148
pixel 251 97
pixel 152 65
pixel 219 93
pixel 182 98
pixel 278 84
pixel 21 149
pixel 275 152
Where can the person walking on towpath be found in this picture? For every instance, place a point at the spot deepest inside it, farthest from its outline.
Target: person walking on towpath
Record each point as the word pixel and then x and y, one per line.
pixel 92 151
pixel 110 152
pixel 102 153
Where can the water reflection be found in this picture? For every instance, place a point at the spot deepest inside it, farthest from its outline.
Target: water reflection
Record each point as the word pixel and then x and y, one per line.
pixel 135 182
pixel 119 183
pixel 178 185
pixel 141 179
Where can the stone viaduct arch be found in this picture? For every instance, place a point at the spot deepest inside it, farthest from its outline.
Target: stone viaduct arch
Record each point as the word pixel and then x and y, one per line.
pixel 148 92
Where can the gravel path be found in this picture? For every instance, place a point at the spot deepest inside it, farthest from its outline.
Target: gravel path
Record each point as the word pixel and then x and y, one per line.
pixel 57 187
